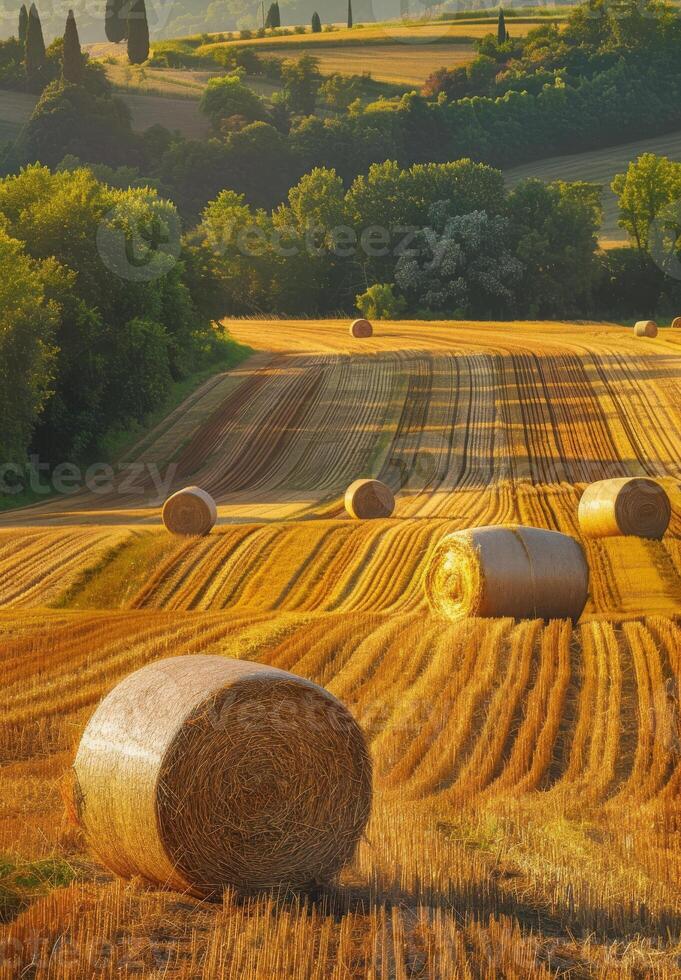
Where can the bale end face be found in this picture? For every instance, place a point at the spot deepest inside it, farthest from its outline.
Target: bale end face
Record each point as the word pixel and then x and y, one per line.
pixel 190 512
pixel 676 323
pixel 200 773
pixel 645 328
pixel 636 506
pixel 361 329
pixel 369 499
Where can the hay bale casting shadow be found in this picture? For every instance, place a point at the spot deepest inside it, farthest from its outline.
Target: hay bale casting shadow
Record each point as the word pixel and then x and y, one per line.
pixel 522 572
pixel 201 772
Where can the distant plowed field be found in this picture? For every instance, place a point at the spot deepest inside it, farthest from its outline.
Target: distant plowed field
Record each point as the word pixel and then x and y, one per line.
pixel 527 813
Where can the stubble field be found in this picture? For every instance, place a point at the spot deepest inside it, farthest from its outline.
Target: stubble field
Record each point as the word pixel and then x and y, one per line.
pixel 527 814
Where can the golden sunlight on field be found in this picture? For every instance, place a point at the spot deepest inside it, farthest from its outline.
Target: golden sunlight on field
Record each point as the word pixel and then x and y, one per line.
pixel 527 775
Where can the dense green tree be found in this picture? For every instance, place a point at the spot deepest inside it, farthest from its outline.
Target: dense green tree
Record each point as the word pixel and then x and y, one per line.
pixel 316 23
pixel 27 324
pixel 553 234
pixel 349 13
pixel 72 65
pixel 138 33
pixel 116 20
pixel 71 119
pixel 461 264
pixel 35 44
pixel 340 91
pixel 650 185
pixel 380 302
pixel 127 321
pixel 227 96
pixel 301 80
pixel 23 23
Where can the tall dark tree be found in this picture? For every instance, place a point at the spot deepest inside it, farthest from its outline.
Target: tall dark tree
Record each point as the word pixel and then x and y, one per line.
pixel 501 27
pixel 349 13
pixel 35 43
pixel 273 18
pixel 116 20
pixel 23 23
pixel 72 56
pixel 138 33
pixel 316 23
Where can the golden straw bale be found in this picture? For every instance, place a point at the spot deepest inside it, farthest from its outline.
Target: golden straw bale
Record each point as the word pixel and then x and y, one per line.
pixel 626 506
pixel 190 511
pixel 645 328
pixel 522 572
pixel 361 328
pixel 201 772
pixel 367 499
pixel 676 323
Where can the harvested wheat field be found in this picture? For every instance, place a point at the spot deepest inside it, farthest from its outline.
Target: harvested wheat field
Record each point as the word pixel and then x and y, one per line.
pixel 526 817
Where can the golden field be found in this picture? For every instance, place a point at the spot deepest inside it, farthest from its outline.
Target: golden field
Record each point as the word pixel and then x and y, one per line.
pixel 527 814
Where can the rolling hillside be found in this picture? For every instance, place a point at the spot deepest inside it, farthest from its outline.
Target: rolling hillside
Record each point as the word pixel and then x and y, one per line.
pixel 145 110
pixel 527 817
pixel 599 167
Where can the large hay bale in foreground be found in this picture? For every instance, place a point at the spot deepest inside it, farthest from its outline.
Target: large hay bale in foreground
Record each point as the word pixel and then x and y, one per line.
pixel 626 506
pixel 368 499
pixel 190 511
pixel 361 328
pixel 201 772
pixel 522 572
pixel 645 328
pixel 676 323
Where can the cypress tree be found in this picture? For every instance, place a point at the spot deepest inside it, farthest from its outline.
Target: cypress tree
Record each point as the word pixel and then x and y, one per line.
pixel 116 21
pixel 35 43
pixel 72 58
pixel 271 19
pixel 138 33
pixel 277 14
pixel 23 23
pixel 349 13
pixel 316 23
pixel 501 27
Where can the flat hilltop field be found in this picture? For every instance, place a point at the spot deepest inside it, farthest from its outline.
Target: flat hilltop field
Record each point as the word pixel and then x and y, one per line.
pixel 527 811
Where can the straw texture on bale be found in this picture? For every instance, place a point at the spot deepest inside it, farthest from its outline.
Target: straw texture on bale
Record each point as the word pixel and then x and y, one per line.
pixel 676 323
pixel 645 328
pixel 368 499
pixel 201 772
pixel 190 511
pixel 361 328
pixel 520 572
pixel 627 506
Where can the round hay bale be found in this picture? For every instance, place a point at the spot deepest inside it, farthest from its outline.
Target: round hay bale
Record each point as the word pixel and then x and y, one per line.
pixel 522 572
pixel 627 506
pixel 676 323
pixel 361 328
pixel 201 772
pixel 368 499
pixel 190 511
pixel 645 328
